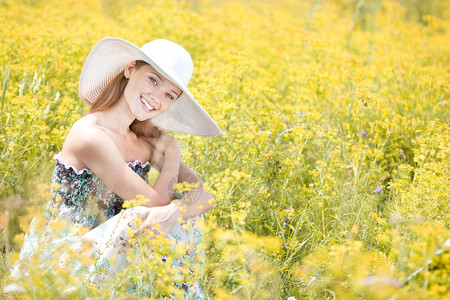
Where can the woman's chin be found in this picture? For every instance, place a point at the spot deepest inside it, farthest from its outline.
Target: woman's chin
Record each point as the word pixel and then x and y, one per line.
pixel 141 119
pixel 146 117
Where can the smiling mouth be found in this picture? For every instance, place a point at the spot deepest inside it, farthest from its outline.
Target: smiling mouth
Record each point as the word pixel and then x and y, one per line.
pixel 147 105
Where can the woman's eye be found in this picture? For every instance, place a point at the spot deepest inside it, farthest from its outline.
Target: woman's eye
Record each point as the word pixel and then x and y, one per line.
pixel 153 80
pixel 169 96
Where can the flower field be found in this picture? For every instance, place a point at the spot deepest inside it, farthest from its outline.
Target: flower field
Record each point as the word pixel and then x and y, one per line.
pixel 332 180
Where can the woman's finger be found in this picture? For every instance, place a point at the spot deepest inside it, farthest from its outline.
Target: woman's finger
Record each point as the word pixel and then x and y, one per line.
pixel 147 227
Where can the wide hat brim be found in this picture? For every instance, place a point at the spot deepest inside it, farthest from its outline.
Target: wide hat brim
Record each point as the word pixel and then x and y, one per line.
pixel 110 57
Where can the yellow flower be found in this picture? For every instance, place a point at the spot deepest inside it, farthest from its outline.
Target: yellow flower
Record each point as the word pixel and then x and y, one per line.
pixel 112 260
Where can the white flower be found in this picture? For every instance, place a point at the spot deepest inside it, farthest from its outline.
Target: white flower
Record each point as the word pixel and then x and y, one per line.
pixel 13 288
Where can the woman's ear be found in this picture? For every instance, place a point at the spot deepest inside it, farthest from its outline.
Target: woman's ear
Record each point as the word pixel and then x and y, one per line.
pixel 129 68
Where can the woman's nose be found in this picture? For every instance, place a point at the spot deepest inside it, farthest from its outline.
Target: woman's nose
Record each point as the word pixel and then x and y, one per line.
pixel 156 97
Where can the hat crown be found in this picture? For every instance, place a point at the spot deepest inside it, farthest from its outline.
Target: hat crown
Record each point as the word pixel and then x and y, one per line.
pixel 170 57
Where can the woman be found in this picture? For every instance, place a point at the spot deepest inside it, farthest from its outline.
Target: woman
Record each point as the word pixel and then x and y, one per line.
pixel 133 92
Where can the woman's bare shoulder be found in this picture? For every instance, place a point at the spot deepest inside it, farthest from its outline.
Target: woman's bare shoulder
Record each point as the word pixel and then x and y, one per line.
pixel 85 130
pixel 85 137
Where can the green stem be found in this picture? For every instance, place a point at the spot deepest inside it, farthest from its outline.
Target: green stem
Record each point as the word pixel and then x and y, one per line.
pixel 5 84
pixel 350 108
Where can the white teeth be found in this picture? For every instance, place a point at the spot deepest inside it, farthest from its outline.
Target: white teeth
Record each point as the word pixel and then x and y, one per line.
pixel 146 104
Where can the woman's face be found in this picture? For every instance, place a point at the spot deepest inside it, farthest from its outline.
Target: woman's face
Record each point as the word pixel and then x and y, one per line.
pixel 148 93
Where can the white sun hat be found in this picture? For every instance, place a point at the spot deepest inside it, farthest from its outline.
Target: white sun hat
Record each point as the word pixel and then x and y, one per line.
pixel 110 57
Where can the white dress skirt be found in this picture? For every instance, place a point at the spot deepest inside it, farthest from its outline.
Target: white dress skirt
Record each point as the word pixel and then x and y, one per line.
pixel 83 202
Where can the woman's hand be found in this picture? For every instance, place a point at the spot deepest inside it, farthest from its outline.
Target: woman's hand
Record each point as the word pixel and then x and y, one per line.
pixel 159 220
pixel 196 201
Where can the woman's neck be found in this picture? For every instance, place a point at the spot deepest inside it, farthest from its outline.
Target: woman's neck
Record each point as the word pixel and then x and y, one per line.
pixel 117 117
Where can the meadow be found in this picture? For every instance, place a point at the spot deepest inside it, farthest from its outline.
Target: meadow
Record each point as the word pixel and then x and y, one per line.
pixel 332 180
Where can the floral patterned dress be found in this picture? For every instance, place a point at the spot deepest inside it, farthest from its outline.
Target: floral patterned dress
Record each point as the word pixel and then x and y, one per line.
pixel 85 201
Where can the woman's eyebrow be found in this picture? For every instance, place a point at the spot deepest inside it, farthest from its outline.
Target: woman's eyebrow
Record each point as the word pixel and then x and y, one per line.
pixel 159 77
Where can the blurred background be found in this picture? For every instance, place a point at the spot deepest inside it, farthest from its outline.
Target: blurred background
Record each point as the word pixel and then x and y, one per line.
pixel 336 121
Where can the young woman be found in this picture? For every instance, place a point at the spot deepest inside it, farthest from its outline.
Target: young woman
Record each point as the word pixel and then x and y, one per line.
pixel 134 93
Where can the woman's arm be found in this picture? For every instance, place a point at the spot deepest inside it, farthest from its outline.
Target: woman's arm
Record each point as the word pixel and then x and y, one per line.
pixel 91 147
pixel 193 204
pixel 166 147
pixel 198 201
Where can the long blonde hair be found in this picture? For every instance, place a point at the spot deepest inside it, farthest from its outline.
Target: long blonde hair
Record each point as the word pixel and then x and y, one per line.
pixel 111 95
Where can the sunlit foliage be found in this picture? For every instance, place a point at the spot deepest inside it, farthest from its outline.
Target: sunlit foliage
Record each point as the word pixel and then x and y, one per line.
pixel 332 179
